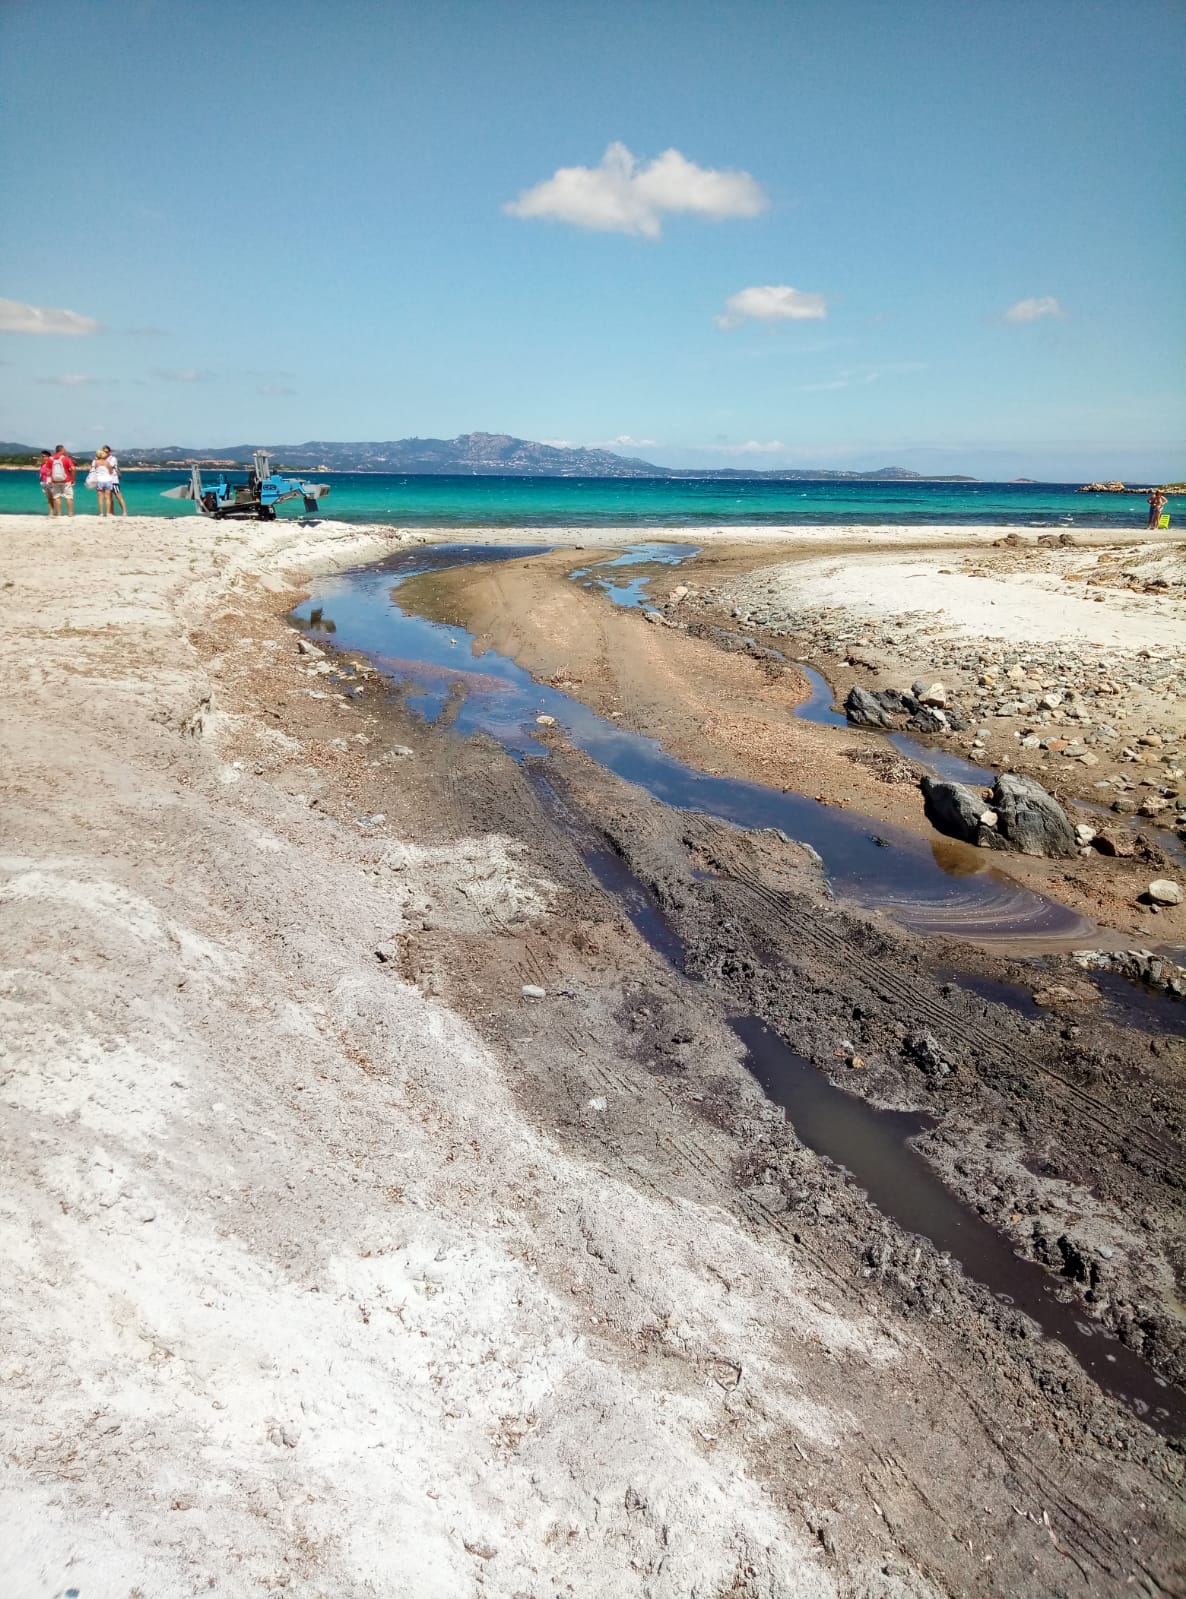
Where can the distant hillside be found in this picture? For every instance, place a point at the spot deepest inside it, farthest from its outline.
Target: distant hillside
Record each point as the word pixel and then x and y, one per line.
pixel 485 454
pixel 488 455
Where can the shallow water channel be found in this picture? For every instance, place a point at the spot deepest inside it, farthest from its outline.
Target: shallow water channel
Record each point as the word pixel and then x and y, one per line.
pixel 937 888
pixel 931 886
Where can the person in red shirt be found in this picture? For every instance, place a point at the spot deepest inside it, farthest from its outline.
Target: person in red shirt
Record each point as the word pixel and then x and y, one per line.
pixel 61 481
pixel 46 458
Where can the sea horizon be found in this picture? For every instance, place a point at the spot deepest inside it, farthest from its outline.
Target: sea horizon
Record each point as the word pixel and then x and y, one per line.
pixel 468 500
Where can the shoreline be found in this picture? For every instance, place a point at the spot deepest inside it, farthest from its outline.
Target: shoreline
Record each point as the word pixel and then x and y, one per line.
pixel 641 531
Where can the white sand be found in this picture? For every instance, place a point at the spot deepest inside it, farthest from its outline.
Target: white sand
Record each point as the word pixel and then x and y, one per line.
pixel 852 535
pixel 1037 607
pixel 276 1321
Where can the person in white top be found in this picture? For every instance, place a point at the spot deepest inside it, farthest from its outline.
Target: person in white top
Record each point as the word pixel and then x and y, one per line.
pixel 99 479
pixel 116 496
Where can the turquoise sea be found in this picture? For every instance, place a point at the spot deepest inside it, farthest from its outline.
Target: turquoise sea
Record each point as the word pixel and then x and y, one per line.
pixel 468 502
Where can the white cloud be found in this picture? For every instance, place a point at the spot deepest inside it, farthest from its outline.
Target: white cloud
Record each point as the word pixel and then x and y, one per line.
pixel 846 382
pixel 1031 310
pixel 623 442
pixel 750 447
pixel 848 378
pixel 772 302
pixel 179 374
pixel 621 196
pixel 17 317
pixel 68 380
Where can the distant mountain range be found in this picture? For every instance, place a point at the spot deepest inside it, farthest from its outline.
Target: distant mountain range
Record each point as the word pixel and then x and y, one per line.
pixel 479 454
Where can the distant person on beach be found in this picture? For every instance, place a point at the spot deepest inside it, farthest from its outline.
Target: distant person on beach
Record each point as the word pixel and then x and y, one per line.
pixel 61 481
pixel 1157 501
pixel 116 495
pixel 99 479
pixel 104 480
pixel 46 457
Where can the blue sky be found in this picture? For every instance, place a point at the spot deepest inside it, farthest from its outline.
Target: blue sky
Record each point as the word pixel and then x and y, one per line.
pixel 290 221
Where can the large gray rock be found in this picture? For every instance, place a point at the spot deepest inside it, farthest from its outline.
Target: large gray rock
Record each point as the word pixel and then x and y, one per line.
pixel 1029 820
pixel 864 710
pixel 952 808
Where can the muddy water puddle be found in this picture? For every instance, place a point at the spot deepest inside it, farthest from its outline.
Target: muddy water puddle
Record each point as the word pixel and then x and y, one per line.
pixel 1126 1002
pixel 942 888
pixel 872 1145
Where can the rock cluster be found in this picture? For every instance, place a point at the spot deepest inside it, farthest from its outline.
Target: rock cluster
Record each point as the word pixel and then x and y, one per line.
pixel 1141 965
pixel 924 709
pixel 1021 815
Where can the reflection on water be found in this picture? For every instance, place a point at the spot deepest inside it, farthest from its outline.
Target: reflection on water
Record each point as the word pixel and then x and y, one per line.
pixel 956 859
pixel 818 706
pixel 946 764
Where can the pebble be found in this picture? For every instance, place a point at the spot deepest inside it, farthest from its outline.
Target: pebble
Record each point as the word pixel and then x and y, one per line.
pixel 533 991
pixel 482 1548
pixel 1165 892
pixel 545 721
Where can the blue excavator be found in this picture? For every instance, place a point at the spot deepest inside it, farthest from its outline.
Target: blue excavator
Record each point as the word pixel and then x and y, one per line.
pixel 256 496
